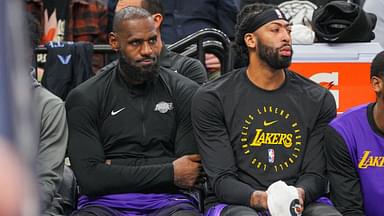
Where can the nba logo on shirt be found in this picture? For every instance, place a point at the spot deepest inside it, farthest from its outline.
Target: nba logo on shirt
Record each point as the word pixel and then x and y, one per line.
pixel 271 155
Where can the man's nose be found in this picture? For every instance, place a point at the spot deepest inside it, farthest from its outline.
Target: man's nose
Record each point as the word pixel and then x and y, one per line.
pixel 286 35
pixel 146 49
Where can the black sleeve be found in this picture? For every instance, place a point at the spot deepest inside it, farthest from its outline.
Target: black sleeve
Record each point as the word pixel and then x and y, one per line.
pixel 185 142
pixel 216 150
pixel 87 157
pixel 312 178
pixel 194 70
pixel 345 184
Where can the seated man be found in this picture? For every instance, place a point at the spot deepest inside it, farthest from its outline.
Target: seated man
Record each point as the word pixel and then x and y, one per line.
pixel 264 123
pixel 53 136
pixel 354 145
pixel 186 66
pixel 130 136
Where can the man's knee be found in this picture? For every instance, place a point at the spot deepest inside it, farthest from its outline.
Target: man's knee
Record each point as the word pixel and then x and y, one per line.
pixel 95 211
pixel 186 213
pixel 320 209
pixel 237 210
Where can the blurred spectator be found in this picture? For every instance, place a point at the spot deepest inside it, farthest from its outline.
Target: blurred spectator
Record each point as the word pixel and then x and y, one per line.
pixel 111 12
pixel 277 2
pixel 186 66
pixel 71 20
pixel 377 7
pixel 184 17
pixel 53 137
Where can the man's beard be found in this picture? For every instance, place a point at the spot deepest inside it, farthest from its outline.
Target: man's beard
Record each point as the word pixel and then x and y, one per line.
pixel 272 58
pixel 136 73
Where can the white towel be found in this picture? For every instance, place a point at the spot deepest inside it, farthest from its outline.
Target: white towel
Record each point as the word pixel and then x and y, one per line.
pixel 283 200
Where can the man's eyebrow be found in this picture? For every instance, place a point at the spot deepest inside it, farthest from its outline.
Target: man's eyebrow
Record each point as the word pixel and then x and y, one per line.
pixel 279 24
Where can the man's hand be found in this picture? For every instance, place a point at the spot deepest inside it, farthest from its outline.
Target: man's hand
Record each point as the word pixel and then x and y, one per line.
pixel 186 170
pixel 259 200
pixel 212 63
pixel 301 197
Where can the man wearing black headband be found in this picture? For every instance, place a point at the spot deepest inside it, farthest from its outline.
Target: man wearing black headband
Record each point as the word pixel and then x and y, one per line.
pixel 263 123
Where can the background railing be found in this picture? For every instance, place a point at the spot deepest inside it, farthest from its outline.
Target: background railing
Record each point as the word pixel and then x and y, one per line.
pixel 195 45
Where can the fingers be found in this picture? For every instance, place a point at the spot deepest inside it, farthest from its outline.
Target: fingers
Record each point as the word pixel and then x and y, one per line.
pixel 194 157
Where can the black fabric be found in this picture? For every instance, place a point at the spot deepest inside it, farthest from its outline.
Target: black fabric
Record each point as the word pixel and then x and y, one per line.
pixel 96 211
pixel 320 209
pixel 244 3
pixel 265 17
pixel 68 64
pixel 68 191
pixel 182 209
pixel 342 21
pixel 236 210
pixel 186 66
pixel 58 6
pixel 237 125
pixel 345 182
pixel 140 130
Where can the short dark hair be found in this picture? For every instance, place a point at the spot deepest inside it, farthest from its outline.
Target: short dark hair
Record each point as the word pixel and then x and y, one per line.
pixel 129 13
pixel 153 6
pixel 377 65
pixel 244 18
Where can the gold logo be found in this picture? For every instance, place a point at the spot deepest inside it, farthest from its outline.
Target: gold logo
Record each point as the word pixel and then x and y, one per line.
pixel 269 123
pixel 260 137
pixel 371 161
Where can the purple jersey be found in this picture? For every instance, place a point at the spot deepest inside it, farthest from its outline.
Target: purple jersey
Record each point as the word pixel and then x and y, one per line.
pixel 366 150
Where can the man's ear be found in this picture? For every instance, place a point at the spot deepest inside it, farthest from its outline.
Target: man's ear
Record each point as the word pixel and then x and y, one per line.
pixel 158 18
pixel 377 84
pixel 250 40
pixel 114 41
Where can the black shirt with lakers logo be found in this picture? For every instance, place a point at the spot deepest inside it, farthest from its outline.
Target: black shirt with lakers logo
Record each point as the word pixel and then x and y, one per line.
pixel 249 137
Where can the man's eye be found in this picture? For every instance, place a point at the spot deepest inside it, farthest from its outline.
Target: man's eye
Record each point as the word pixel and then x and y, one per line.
pixel 152 41
pixel 135 43
pixel 275 30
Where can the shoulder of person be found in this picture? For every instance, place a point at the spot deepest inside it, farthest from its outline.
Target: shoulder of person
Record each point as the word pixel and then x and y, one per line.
pixel 351 114
pixel 176 80
pixel 44 98
pixel 309 86
pixel 92 87
pixel 182 62
pixel 225 81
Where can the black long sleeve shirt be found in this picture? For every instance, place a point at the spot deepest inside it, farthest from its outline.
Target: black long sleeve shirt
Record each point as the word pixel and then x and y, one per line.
pixel 249 138
pixel 140 129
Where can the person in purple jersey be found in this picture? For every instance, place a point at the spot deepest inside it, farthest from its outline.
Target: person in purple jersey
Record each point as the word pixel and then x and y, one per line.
pixel 131 143
pixel 354 144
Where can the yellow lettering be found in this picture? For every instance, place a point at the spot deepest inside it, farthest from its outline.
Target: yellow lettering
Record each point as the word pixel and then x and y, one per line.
pixel 271 139
pixel 275 139
pixel 363 162
pixel 288 141
pixel 375 161
pixel 255 141
pixel 268 138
